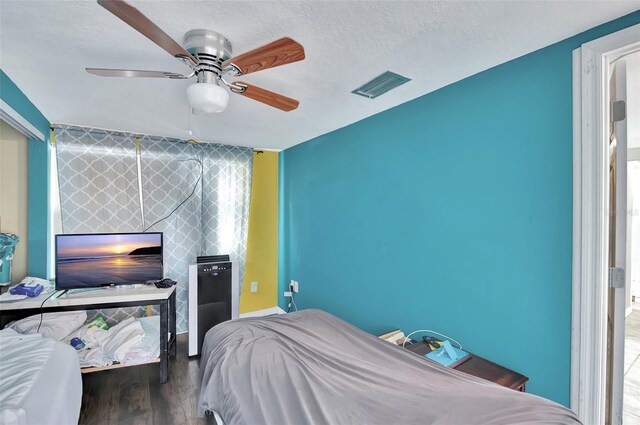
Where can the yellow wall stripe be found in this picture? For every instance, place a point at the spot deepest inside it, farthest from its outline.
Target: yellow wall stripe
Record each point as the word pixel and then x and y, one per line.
pixel 262 240
pixel 52 137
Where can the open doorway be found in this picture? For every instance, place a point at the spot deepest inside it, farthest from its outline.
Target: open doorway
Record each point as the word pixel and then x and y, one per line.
pixel 600 236
pixel 631 399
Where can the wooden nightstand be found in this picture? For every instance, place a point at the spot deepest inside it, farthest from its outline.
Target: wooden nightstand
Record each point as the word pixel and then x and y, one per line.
pixel 482 368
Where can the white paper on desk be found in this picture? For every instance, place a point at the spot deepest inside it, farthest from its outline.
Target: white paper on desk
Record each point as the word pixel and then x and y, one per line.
pixel 8 297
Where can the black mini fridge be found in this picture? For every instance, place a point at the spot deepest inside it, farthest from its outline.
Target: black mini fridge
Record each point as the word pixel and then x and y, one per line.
pixel 213 298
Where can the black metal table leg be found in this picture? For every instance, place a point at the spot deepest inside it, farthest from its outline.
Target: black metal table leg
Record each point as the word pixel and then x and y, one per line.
pixel 172 325
pixel 164 341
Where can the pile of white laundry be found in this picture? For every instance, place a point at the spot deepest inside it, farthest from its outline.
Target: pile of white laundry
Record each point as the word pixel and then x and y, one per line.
pixel 130 342
pixel 133 341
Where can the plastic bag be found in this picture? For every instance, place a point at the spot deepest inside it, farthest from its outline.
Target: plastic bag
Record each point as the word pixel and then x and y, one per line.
pixel 87 333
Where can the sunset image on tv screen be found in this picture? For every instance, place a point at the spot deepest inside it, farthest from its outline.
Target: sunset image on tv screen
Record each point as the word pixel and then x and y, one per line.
pixel 106 259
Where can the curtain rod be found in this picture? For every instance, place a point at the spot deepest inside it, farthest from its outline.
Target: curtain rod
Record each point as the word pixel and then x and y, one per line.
pixel 138 134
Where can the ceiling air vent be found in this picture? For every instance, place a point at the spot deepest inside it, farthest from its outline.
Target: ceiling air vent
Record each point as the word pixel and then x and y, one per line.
pixel 380 85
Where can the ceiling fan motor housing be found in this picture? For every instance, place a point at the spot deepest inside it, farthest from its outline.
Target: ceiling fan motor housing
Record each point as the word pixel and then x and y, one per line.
pixel 211 49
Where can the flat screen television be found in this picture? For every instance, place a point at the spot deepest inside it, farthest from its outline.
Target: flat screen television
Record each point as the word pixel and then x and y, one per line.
pixel 102 259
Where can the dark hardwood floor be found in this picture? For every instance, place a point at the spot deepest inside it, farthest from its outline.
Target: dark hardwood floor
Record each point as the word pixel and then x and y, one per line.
pixel 134 395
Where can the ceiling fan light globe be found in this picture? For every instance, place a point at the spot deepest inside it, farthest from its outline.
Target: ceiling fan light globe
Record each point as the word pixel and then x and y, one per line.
pixel 207 97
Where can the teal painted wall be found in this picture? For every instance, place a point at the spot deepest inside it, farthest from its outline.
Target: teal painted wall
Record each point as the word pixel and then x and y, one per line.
pixel 451 212
pixel 38 197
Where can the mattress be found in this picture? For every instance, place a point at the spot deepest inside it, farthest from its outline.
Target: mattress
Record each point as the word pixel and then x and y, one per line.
pixel 310 367
pixel 40 381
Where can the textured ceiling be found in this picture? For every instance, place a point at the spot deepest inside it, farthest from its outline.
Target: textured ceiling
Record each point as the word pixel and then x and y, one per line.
pixel 45 46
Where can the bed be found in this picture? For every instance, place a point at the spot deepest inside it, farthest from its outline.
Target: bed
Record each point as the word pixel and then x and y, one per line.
pixel 40 381
pixel 310 367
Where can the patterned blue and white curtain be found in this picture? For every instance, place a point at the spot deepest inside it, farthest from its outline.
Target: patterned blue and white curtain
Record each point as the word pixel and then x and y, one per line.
pixel 196 194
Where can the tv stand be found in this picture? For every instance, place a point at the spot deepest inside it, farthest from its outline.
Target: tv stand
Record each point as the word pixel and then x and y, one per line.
pixel 109 297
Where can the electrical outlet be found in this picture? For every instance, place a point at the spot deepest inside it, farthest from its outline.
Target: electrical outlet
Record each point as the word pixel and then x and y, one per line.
pixel 287 293
pixel 254 286
pixel 293 286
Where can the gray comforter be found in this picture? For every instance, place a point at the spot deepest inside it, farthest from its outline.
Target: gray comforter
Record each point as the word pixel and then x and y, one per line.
pixel 312 368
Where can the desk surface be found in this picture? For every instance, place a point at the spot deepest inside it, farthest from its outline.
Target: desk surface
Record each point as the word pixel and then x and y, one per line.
pixel 106 295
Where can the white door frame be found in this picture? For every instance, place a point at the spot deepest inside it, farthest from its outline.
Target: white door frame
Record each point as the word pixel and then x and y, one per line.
pixel 591 67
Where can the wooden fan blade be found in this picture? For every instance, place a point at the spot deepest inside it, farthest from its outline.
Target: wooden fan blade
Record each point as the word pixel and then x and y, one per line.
pixel 146 27
pixel 129 73
pixel 265 96
pixel 280 52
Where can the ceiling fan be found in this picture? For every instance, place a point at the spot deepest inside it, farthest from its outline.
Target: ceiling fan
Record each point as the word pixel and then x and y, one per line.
pixel 208 54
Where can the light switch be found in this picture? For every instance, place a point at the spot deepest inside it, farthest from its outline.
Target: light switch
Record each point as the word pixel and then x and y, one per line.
pixel 254 286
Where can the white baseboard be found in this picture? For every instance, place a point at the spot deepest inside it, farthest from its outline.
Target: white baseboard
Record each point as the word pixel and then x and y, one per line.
pixel 265 312
pixel 628 311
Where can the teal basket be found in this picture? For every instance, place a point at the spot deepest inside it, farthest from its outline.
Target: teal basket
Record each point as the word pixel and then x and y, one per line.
pixel 8 244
